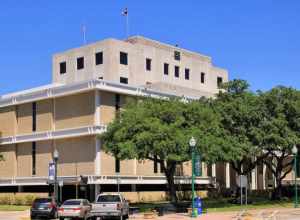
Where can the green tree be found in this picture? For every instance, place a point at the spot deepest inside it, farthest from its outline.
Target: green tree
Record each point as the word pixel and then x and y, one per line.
pixel 281 130
pixel 159 130
pixel 241 118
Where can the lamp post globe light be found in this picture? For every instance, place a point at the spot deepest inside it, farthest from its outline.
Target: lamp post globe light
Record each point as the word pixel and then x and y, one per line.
pixel 295 153
pixel 192 144
pixel 55 157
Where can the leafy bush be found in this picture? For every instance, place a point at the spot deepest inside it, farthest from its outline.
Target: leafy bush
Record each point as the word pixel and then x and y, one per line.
pixel 13 199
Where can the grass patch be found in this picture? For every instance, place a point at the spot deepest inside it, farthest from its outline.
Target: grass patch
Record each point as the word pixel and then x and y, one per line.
pixel 223 205
pixel 13 207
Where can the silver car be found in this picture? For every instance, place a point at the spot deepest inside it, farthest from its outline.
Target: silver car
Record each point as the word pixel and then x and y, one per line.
pixel 74 208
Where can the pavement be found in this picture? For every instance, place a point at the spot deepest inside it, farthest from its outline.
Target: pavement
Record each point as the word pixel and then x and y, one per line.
pixel 283 214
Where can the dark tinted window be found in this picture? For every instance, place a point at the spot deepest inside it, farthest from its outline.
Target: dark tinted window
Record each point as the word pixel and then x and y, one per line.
pixel 99 58
pixel 33 158
pixel 166 68
pixel 43 200
pixel 187 74
pixel 176 71
pixel 177 55
pixel 80 63
pixel 148 64
pixel 117 165
pixel 124 80
pixel 123 58
pixel 72 202
pixel 202 77
pixel 109 198
pixel 155 164
pixel 62 67
pixel 219 81
pixel 34 116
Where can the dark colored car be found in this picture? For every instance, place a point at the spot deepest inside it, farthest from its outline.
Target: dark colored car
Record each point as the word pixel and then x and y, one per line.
pixel 43 208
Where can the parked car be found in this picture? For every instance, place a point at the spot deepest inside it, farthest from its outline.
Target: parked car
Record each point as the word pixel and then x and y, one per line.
pixel 110 205
pixel 74 208
pixel 43 208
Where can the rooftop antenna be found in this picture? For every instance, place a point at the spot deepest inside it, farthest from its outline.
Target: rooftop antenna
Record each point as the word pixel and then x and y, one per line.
pixel 125 13
pixel 83 30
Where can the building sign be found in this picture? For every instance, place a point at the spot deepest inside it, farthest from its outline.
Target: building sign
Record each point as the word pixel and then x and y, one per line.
pixel 198 165
pixel 51 172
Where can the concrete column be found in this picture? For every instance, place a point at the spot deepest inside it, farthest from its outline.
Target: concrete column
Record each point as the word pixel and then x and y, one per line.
pixel 264 176
pixel 227 175
pixel 213 170
pixel 97 157
pixel 97 108
pixel 204 169
pixel 254 179
pixel 20 189
pixel 97 190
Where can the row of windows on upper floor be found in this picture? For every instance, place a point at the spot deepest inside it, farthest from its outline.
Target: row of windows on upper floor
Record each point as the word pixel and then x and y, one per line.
pixel 124 61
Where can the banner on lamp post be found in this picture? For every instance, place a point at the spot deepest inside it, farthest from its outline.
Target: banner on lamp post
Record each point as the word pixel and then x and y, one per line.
pixel 51 172
pixel 198 165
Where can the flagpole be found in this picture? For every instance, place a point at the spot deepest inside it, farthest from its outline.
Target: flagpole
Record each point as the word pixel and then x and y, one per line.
pixel 127 26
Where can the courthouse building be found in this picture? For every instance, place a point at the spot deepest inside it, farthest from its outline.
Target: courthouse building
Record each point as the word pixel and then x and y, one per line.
pixel 89 85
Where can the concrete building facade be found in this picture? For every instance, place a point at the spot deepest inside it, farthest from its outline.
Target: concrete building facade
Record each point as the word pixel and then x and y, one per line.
pixel 90 84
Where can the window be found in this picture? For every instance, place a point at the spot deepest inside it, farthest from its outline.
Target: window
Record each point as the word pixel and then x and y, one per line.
pixel 148 64
pixel 124 80
pixel 99 58
pixel 123 58
pixel 80 63
pixel 117 165
pixel 177 55
pixel 219 81
pixel 33 158
pixel 202 77
pixel 62 67
pixel 166 68
pixel 155 163
pixel 117 99
pixel 187 74
pixel 34 116
pixel 176 71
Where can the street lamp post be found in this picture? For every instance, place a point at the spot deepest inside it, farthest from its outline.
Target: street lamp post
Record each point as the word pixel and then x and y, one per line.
pixel 295 152
pixel 55 157
pixel 192 144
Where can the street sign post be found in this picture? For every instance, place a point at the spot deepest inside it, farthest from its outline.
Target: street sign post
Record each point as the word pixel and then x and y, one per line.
pixel 242 182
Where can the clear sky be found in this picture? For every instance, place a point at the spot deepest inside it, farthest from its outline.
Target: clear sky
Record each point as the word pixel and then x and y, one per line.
pixel 257 40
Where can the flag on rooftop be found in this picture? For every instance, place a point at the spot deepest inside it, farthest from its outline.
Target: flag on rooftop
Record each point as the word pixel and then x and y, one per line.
pixel 125 12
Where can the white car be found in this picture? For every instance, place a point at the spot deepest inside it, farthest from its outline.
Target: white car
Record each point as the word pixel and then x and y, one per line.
pixel 110 205
pixel 74 208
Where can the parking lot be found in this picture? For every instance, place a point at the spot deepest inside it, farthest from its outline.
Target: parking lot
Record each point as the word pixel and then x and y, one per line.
pixel 284 214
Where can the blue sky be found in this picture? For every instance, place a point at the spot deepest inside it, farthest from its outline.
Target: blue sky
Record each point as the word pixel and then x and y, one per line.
pixel 257 40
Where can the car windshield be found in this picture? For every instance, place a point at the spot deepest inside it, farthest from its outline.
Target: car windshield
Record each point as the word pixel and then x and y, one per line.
pixel 109 198
pixel 72 202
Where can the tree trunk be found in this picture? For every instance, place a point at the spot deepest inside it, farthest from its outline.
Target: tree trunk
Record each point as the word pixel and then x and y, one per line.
pixel 277 193
pixel 170 172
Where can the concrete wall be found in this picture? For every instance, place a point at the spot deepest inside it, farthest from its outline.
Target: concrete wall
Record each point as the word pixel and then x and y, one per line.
pixel 8 166
pixel 74 111
pixel 24 159
pixel 76 156
pixel 24 113
pixel 44 151
pixel 44 116
pixel 138 49
pixel 8 121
